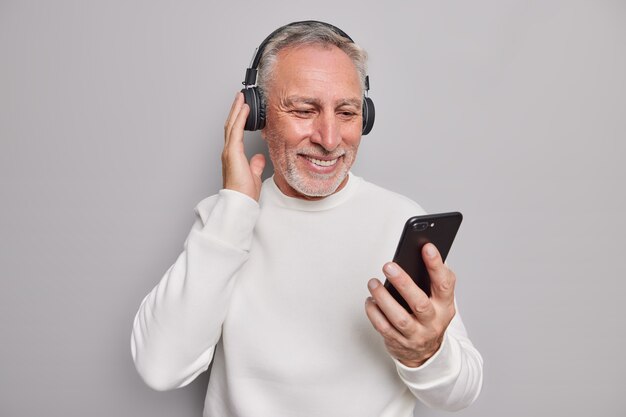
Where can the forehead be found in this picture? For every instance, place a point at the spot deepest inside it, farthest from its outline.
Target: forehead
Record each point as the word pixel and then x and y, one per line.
pixel 316 69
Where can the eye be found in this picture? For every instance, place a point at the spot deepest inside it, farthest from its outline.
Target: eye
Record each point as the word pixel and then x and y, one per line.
pixel 347 114
pixel 304 113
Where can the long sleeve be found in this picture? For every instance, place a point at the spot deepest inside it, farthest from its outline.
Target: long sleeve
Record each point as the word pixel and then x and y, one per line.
pixel 179 322
pixel 452 378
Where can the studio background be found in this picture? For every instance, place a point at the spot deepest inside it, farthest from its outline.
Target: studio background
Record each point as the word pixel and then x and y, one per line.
pixel 513 112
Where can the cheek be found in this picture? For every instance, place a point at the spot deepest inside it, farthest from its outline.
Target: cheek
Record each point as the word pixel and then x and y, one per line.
pixel 288 132
pixel 294 129
pixel 276 144
pixel 352 136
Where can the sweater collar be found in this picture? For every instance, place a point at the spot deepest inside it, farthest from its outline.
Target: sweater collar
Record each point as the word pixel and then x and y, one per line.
pixel 271 194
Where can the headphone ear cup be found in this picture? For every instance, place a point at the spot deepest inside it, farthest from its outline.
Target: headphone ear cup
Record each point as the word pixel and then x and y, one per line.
pixel 369 112
pixel 261 108
pixel 256 117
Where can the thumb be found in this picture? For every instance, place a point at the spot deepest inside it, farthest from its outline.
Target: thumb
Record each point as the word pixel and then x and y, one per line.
pixel 257 163
pixel 442 279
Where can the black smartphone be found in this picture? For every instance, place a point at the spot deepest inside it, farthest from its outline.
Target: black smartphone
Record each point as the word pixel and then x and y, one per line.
pixel 438 229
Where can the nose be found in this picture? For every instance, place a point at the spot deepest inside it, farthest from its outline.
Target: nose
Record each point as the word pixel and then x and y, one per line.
pixel 326 132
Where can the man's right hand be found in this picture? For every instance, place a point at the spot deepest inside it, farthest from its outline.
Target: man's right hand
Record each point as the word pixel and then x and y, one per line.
pixel 237 173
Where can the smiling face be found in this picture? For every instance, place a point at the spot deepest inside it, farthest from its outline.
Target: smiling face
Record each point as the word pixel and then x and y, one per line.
pixel 314 123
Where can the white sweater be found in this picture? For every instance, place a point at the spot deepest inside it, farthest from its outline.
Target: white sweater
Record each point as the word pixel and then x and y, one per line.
pixel 273 292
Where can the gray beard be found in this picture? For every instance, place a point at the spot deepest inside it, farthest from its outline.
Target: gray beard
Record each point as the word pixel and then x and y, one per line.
pixel 297 183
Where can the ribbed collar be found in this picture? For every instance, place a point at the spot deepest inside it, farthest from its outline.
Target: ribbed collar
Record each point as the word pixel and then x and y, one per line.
pixel 271 194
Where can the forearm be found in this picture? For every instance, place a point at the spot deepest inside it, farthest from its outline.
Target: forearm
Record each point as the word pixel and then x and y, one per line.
pixel 179 322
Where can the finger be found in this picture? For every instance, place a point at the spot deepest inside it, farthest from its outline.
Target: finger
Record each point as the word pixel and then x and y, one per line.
pixel 235 115
pixel 234 138
pixel 234 108
pixel 415 297
pixel 393 311
pixel 442 279
pixel 380 321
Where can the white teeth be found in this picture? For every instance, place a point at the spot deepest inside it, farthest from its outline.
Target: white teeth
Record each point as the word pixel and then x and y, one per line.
pixel 323 163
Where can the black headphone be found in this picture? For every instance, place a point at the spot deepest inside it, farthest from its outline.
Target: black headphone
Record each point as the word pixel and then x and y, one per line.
pixel 252 97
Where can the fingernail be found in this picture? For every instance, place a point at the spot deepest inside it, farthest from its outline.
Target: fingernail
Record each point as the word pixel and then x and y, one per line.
pixel 390 270
pixel 373 283
pixel 430 251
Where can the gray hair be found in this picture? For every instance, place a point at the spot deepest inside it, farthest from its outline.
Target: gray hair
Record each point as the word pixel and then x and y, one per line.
pixel 307 33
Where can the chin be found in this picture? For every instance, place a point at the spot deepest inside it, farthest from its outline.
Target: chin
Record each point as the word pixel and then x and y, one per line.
pixel 314 187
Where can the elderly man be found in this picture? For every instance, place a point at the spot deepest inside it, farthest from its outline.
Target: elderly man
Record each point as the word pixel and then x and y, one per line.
pixel 271 283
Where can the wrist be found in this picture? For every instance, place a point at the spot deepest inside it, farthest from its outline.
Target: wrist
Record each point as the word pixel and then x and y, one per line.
pixel 422 359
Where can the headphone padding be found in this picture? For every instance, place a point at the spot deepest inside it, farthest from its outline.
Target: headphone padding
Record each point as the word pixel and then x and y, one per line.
pixel 251 98
pixel 369 112
pixel 261 108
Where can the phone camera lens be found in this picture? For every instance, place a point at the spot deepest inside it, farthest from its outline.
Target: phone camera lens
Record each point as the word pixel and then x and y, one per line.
pixel 420 226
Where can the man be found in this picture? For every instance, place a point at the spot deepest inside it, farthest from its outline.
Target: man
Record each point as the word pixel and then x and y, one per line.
pixel 271 284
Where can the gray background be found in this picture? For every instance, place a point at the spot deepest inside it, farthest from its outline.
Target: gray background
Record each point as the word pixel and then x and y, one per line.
pixel 513 112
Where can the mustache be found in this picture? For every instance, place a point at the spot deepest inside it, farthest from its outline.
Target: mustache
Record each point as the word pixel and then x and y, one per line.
pixel 319 151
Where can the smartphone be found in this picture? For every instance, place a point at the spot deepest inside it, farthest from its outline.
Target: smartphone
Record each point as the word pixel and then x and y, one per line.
pixel 438 229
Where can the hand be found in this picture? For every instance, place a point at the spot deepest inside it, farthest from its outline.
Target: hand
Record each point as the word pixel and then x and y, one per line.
pixel 237 173
pixel 413 338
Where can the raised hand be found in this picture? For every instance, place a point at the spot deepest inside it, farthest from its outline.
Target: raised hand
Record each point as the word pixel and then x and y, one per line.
pixel 237 173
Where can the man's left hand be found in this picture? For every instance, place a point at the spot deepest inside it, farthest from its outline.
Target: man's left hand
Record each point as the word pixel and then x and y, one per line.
pixel 413 338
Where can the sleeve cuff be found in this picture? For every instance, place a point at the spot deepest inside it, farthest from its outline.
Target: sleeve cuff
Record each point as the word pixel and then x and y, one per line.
pixel 441 368
pixel 231 219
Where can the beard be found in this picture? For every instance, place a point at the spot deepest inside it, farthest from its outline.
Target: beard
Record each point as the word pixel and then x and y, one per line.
pixel 291 164
pixel 313 184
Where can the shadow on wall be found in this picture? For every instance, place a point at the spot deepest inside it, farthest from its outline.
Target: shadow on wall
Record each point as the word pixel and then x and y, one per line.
pixel 198 391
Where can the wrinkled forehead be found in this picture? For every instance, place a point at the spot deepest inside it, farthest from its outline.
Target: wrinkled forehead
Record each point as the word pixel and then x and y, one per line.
pixel 316 66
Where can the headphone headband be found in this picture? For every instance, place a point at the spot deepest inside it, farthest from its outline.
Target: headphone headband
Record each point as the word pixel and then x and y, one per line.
pixel 252 70
pixel 256 117
pixel 259 51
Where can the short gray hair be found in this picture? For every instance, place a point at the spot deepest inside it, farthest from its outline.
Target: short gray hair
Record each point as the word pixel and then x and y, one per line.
pixel 307 33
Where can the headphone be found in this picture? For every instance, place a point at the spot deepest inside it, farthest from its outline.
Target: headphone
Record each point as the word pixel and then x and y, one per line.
pixel 252 97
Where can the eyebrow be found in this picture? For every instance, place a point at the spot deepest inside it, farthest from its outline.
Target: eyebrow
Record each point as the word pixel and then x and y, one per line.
pixel 291 100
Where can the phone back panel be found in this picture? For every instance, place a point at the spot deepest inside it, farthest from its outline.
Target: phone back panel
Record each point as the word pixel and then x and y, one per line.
pixel 438 229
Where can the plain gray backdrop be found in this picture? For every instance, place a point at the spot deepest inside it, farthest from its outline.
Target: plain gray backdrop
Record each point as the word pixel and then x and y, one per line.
pixel 513 112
